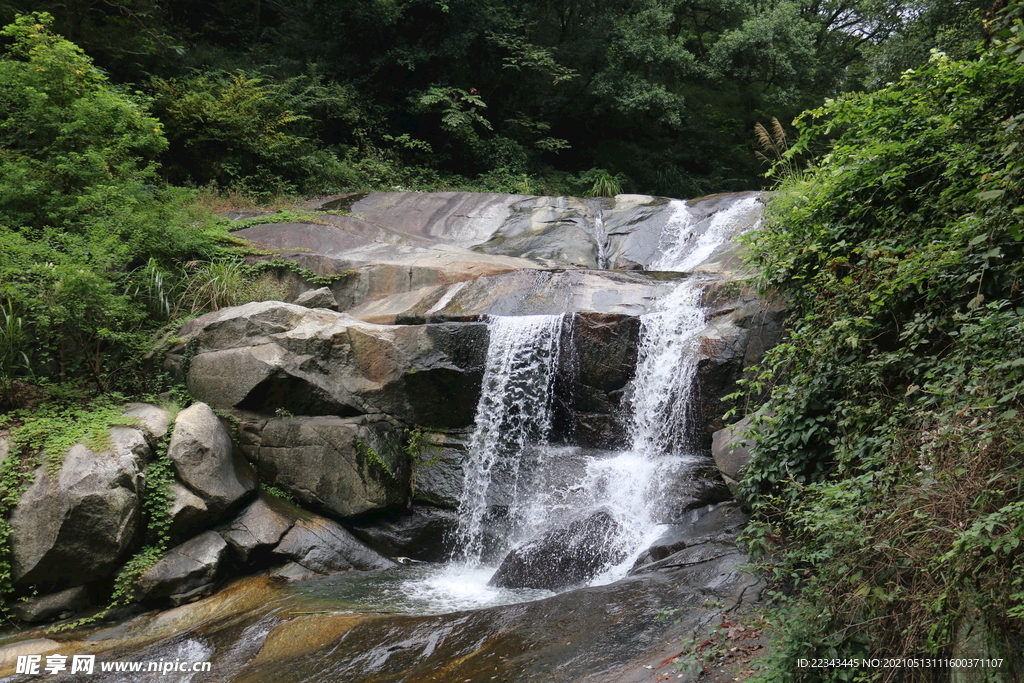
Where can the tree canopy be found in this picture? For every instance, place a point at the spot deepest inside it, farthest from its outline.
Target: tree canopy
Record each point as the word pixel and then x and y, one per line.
pixel 421 92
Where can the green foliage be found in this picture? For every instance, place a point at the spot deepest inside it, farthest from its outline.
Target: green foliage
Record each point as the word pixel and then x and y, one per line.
pixel 80 206
pixel 373 457
pixel 278 492
pixel 75 151
pixel 246 131
pixel 887 466
pixel 53 428
pixel 420 448
pixel 602 183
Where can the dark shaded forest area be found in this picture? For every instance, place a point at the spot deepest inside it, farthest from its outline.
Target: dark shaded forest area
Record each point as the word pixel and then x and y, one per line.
pixel 549 96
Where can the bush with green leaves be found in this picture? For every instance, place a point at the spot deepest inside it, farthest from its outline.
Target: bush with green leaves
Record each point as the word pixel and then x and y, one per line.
pixel 246 131
pixel 75 149
pixel 81 209
pixel 890 458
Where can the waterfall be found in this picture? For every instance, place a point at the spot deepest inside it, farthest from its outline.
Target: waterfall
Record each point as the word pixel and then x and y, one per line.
pixel 660 397
pixel 517 489
pixel 513 413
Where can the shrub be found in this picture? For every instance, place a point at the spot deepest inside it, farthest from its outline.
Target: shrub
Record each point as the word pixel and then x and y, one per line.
pixel 890 457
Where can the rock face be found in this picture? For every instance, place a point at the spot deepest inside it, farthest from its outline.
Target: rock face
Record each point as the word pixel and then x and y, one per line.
pixel 273 356
pixel 260 527
pixel 201 451
pixel 341 467
pixel 737 336
pixel 564 557
pixel 79 525
pixel 717 523
pixel 732 452
pixel 323 546
pixel 437 470
pixel 318 298
pixel 55 605
pixel 598 361
pixel 188 511
pixel 423 534
pixel 186 572
pixel 522 292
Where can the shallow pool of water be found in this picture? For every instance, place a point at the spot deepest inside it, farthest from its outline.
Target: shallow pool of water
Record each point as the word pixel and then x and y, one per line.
pixel 425 589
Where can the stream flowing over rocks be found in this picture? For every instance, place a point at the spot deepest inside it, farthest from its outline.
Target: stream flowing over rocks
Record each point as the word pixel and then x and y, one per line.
pixel 494 428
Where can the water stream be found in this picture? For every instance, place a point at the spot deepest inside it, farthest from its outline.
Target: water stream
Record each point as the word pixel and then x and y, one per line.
pixel 517 486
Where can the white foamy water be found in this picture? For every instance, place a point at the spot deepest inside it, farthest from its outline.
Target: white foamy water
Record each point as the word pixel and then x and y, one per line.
pixel 513 413
pixel 687 242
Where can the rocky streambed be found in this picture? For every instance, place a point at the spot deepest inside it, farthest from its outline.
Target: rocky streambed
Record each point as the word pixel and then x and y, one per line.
pixel 361 403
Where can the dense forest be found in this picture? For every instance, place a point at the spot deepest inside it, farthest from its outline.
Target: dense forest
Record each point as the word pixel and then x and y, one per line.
pixel 886 477
pixel 502 95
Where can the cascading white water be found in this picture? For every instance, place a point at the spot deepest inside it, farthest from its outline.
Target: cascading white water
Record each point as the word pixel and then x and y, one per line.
pixel 513 413
pixel 632 484
pixel 507 501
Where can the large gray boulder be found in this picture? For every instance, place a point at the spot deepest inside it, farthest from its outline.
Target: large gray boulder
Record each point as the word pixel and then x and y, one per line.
pixel 272 356
pixel 317 298
pixel 201 451
pixel 731 451
pixel 186 573
pixel 341 467
pixel 563 557
pixel 78 525
pixel 57 605
pixel 324 547
pixel 154 421
pixel 260 526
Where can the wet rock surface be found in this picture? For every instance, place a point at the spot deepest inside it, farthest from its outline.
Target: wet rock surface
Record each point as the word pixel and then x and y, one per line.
pixel 563 557
pixel 711 524
pixel 437 470
pixel 323 546
pixel 424 534
pixel 260 630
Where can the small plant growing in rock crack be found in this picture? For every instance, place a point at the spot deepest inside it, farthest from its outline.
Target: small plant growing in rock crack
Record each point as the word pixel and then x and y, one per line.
pixel 417 444
pixel 374 458
pixel 277 492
